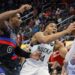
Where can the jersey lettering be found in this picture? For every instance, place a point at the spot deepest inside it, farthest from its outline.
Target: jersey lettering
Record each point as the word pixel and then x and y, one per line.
pixel 45 50
pixel 9 49
pixel 42 58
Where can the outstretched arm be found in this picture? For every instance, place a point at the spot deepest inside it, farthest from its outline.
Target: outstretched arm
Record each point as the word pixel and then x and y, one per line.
pixel 45 39
pixel 8 14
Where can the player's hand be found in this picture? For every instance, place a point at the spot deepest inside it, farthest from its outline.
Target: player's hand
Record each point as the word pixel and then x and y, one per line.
pixel 24 8
pixel 71 28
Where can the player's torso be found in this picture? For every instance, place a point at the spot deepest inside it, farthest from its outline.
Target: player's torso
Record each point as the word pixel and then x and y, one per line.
pixel 46 50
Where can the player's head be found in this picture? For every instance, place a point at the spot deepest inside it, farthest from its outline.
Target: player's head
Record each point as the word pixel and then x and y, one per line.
pixel 15 20
pixel 51 28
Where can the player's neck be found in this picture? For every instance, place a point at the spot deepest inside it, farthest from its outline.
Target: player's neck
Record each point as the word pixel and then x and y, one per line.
pixel 46 33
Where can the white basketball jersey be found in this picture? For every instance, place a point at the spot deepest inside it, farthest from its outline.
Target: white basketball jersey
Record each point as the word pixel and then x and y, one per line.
pixel 46 50
pixel 70 69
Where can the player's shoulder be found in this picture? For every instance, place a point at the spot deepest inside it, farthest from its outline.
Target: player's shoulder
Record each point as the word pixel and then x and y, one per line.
pixel 38 33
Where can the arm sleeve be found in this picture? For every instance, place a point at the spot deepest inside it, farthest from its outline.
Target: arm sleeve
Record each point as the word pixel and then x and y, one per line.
pixel 22 53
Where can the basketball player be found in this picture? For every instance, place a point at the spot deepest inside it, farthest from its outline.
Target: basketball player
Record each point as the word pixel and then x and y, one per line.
pixel 9 50
pixel 46 40
pixel 56 59
pixel 45 44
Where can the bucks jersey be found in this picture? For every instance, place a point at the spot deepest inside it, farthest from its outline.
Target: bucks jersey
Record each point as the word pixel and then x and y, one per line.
pixel 46 50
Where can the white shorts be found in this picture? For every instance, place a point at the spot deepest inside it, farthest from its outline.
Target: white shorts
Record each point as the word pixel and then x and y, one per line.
pixel 43 71
pixel 32 67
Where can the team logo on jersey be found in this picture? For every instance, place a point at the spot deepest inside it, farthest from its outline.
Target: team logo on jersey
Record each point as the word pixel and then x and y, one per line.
pixel 9 49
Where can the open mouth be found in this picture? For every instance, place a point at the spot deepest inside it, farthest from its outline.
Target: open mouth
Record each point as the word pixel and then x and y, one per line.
pixel 54 31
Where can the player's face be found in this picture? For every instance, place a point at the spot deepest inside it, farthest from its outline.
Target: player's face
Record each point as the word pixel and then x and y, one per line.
pixel 16 21
pixel 52 28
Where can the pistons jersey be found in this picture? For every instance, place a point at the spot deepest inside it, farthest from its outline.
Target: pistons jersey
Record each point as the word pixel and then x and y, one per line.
pixel 7 52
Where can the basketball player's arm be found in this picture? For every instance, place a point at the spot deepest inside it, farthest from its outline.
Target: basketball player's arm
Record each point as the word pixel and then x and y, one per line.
pixel 22 53
pixel 64 68
pixel 64 71
pixel 63 52
pixel 62 49
pixel 49 38
pixel 8 14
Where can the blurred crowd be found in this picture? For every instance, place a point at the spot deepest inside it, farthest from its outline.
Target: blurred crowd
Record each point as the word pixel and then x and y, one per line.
pixel 38 18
